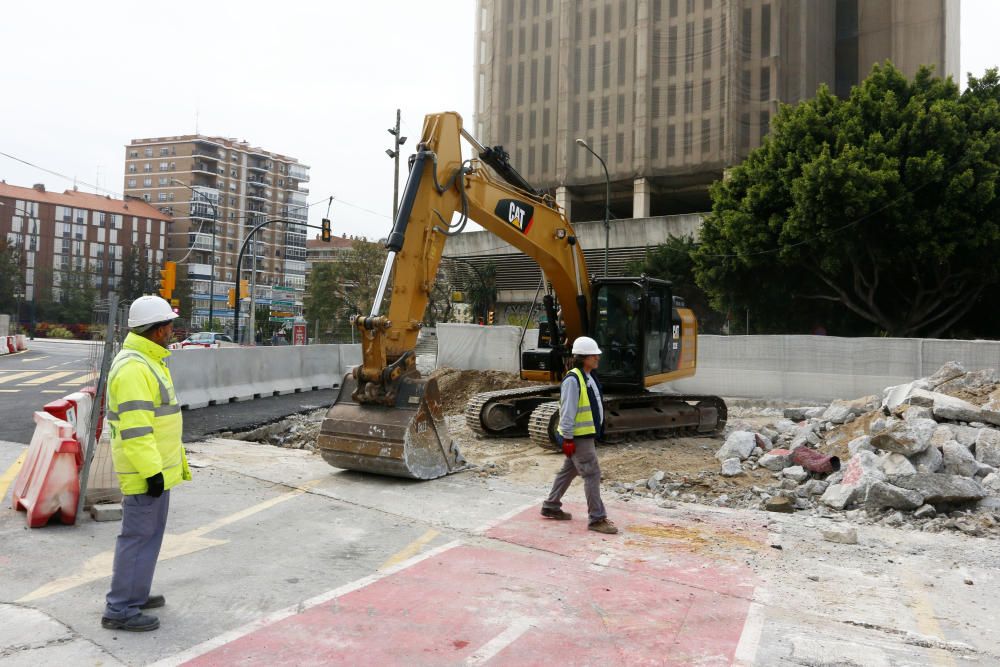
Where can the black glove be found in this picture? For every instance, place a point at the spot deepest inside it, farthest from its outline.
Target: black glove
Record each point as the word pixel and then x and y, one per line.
pixel 155 485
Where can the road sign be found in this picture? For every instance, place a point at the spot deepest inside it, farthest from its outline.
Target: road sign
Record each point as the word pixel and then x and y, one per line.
pixel 298 334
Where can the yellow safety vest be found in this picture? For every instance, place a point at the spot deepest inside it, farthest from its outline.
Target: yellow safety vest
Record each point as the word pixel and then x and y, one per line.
pixel 145 418
pixel 583 425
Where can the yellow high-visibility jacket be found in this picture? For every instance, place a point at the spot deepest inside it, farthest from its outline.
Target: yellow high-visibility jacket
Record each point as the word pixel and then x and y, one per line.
pixel 145 418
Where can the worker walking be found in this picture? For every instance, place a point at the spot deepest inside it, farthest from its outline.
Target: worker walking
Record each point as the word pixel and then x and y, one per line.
pixel 145 421
pixel 581 423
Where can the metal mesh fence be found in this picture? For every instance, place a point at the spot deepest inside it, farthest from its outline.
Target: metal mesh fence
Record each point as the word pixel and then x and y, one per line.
pixel 98 483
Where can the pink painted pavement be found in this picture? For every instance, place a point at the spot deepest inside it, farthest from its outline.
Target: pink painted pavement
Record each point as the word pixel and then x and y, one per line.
pixel 665 591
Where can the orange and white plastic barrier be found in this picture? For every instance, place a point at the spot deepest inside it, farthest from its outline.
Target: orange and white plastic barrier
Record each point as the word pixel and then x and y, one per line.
pixel 75 409
pixel 20 343
pixel 49 481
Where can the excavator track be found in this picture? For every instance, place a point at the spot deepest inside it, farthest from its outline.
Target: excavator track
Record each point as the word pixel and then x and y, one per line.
pixel 643 416
pixel 503 413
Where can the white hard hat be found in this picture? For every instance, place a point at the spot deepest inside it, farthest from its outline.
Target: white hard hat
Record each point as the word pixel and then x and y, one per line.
pixel 148 310
pixel 584 345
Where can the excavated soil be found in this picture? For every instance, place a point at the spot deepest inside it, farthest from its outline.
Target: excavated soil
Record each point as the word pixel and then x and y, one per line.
pixel 457 387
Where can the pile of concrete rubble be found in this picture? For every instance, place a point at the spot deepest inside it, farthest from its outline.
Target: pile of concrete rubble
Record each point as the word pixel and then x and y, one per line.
pixel 923 455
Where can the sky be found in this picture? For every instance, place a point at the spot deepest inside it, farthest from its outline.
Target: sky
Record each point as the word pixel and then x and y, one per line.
pixel 320 82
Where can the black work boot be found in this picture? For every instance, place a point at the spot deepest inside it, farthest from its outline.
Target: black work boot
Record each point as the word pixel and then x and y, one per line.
pixel 137 623
pixel 154 602
pixel 558 515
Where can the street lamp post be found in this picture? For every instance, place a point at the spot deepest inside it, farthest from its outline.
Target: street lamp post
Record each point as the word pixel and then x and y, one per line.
pixel 607 201
pixel 394 153
pixel 215 222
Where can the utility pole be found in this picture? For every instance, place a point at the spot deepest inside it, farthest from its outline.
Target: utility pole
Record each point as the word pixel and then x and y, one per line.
pixel 394 154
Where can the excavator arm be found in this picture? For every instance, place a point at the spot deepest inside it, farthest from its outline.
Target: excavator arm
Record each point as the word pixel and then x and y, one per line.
pixel 387 418
pixel 442 185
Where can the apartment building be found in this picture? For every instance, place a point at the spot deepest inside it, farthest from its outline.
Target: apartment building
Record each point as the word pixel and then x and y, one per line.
pixel 219 188
pixel 671 92
pixel 71 235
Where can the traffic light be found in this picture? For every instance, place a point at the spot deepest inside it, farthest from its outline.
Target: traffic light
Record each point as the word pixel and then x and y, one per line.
pixel 168 279
pixel 326 230
pixel 489 317
pixel 231 299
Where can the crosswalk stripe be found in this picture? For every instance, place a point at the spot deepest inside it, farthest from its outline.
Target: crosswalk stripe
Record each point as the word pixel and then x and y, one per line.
pixel 47 378
pixel 17 376
pixel 83 379
pixel 24 361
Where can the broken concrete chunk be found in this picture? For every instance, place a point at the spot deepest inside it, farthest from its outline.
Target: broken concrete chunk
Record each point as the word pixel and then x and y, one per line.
pixel 763 442
pixel 739 444
pixel 841 412
pixel 988 447
pixel 955 409
pixel 897 464
pixel 912 393
pixel 992 482
pixel 925 512
pixel 918 412
pixel 816 487
pixel 965 435
pixel 796 473
pixel 776 459
pixel 958 460
pixel 905 437
pixel 655 479
pixel 801 414
pixel 929 460
pixel 732 467
pixel 863 442
pixel 841 535
pixel 942 434
pixel 883 494
pixel 950 371
pixel 838 496
pixel 784 425
pixel 940 487
pixel 977 382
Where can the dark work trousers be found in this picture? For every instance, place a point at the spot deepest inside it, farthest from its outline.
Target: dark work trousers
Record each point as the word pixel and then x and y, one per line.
pixel 144 520
pixel 584 464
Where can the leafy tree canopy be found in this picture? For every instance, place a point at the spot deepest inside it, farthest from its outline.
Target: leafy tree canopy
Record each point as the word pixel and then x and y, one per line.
pixel 883 205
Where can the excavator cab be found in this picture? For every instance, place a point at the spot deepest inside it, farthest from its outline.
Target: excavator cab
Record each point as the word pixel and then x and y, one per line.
pixel 637 325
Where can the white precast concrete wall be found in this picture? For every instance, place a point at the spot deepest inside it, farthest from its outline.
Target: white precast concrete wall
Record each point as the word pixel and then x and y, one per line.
pixel 823 368
pixel 203 376
pixel 4 325
pixel 815 368
pixel 474 347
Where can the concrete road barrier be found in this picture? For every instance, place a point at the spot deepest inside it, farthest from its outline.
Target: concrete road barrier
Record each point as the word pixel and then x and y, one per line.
pixel 209 376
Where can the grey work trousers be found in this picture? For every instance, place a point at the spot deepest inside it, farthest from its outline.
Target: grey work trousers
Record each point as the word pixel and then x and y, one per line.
pixel 144 520
pixel 582 463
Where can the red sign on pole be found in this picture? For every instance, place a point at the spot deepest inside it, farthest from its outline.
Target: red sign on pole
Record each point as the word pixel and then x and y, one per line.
pixel 298 334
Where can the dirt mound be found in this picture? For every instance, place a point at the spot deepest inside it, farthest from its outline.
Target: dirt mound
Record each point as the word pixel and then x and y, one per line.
pixel 457 386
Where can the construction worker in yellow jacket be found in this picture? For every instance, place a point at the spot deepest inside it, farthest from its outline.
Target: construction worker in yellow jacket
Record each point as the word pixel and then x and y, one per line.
pixel 145 421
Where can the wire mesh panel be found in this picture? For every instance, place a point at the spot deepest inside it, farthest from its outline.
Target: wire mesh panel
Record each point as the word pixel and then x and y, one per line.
pixel 98 483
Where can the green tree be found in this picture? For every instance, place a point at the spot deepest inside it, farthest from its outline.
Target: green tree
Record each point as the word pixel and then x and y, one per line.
pixel 336 290
pixel 129 288
pixel 10 276
pixel 672 261
pixel 882 205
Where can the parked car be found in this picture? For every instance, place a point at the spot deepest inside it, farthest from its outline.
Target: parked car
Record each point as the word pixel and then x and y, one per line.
pixel 207 339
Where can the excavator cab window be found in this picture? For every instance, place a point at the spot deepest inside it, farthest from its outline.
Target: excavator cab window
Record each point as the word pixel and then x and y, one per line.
pixel 618 329
pixel 659 325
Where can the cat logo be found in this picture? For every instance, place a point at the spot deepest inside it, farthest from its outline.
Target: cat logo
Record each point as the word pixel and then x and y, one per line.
pixel 518 214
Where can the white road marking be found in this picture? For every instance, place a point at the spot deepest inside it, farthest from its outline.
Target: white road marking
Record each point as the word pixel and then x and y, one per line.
pixel 483 529
pixel 753 628
pixel 489 650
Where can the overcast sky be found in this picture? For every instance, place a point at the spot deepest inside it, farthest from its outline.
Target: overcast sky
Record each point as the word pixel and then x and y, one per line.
pixel 318 81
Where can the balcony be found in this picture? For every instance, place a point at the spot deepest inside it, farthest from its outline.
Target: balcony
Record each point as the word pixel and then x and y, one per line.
pixel 205 155
pixel 299 172
pixel 200 242
pixel 257 167
pixel 203 168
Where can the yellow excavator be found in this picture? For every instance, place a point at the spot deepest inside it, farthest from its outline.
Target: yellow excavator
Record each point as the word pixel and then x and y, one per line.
pixel 388 420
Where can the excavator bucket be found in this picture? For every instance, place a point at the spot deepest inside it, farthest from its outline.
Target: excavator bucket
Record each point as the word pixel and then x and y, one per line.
pixel 409 439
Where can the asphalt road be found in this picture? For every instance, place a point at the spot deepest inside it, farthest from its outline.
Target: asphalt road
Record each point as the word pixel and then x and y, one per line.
pixel 46 371
pixel 52 369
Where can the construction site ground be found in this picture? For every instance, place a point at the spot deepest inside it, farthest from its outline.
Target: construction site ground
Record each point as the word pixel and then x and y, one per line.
pixel 272 557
